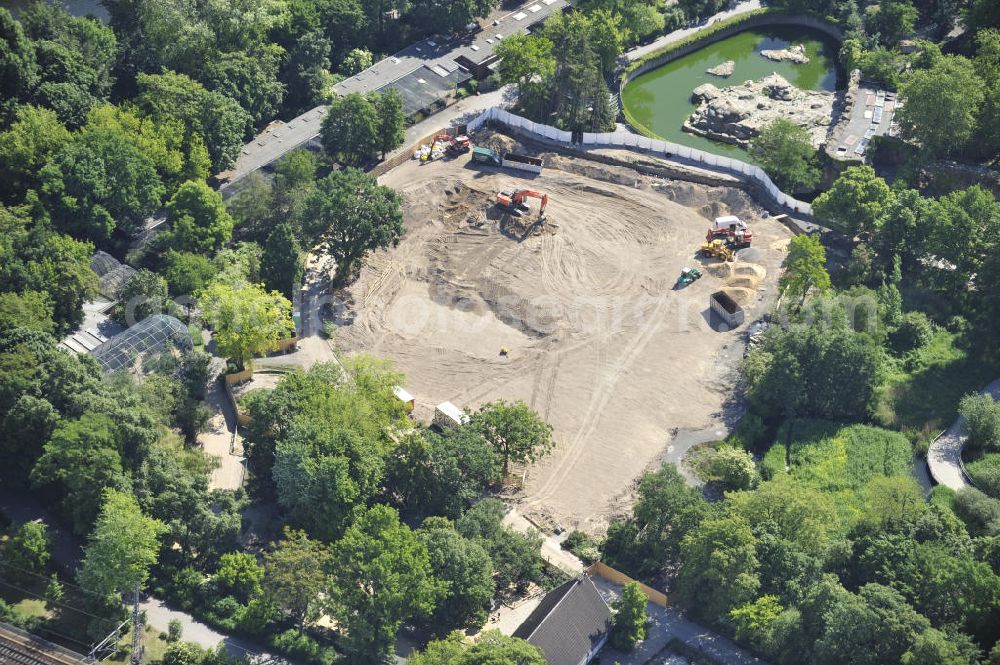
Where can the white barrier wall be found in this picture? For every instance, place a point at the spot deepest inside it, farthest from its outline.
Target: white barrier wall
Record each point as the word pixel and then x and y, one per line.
pixel 662 148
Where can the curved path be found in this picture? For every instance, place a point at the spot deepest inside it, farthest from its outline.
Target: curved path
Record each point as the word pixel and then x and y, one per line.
pixel 944 457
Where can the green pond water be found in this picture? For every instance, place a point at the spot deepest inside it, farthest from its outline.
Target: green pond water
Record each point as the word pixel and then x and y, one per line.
pixel 661 99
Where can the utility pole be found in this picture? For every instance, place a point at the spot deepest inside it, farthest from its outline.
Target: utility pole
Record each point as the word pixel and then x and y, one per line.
pixel 137 647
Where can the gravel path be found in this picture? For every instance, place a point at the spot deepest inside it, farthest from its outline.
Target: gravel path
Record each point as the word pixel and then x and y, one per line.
pixel 944 457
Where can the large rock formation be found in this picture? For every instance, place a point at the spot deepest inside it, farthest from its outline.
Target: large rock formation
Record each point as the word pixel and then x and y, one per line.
pixel 737 114
pixel 796 54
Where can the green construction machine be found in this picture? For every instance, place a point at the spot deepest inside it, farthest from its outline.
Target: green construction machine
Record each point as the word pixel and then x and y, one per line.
pixel 687 276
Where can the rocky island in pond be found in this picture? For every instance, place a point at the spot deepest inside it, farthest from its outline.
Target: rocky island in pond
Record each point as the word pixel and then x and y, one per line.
pixel 738 113
pixel 725 69
pixel 796 54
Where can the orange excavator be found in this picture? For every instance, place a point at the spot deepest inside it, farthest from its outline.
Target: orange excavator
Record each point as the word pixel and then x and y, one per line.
pixel 514 202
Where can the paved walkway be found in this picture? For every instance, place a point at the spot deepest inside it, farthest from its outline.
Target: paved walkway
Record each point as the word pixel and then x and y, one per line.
pixel 552 551
pixel 681 33
pixel 944 457
pixel 218 441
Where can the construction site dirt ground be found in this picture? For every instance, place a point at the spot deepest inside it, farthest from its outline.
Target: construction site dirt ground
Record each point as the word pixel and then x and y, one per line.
pixel 597 338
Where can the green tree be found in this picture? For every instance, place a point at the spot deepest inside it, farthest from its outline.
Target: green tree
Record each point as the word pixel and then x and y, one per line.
pixel 941 106
pixel 464 570
pixel 210 116
pixel 19 69
pixel 350 129
pixel 98 183
pixel 240 574
pixel 121 549
pixel 492 648
pixel 27 552
pixel 187 273
pixel 856 202
pixel 177 156
pixel 382 576
pixel 785 151
pixel 352 214
pixel 875 626
pixel 198 219
pixel 145 293
pixel 934 647
pixel 893 21
pixel 963 232
pixel 295 575
pixel 54 592
pixel 250 78
pixel 514 430
pixel 755 621
pixel 31 309
pixel 441 474
pixel 525 61
pixel 281 265
pixel 32 139
pixel 630 622
pixel 516 559
pixel 306 72
pixel 719 568
pixel 357 60
pixel 805 267
pixel 820 367
pixel 390 130
pixel 733 467
pixel 246 320
pixel 666 509
pixel 82 459
pixel 982 421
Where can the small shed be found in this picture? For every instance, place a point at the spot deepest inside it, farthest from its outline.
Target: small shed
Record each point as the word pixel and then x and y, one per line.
pixel 406 398
pixel 728 309
pixel 448 415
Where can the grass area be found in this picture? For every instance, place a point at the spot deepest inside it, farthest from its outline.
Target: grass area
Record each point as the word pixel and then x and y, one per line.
pixel 985 473
pixel 65 624
pixel 32 607
pixel 834 458
pixel 920 394
pixel 152 640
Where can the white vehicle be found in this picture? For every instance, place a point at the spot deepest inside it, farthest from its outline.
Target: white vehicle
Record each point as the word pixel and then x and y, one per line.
pixel 729 223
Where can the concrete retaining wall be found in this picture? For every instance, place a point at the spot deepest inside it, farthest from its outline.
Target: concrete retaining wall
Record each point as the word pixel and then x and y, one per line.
pixel 749 23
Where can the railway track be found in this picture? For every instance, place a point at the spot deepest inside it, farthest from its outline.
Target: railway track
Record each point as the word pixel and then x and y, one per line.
pixel 17 648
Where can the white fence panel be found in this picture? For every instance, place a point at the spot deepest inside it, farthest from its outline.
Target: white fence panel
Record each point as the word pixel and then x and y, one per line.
pixel 629 139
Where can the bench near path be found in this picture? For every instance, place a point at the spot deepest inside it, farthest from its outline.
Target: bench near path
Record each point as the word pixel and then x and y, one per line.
pixel 944 457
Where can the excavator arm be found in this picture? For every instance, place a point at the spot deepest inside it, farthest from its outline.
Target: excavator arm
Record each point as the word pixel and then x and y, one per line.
pixel 522 194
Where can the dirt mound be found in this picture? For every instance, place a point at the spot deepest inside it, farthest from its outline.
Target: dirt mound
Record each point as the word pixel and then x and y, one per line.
pixel 741 295
pixel 744 282
pixel 497 142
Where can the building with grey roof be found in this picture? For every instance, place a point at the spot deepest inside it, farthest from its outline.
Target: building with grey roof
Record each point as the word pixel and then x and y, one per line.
pixel 425 73
pixel 571 624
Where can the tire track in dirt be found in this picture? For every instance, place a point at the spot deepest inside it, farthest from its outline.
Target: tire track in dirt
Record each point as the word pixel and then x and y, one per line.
pixel 597 405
